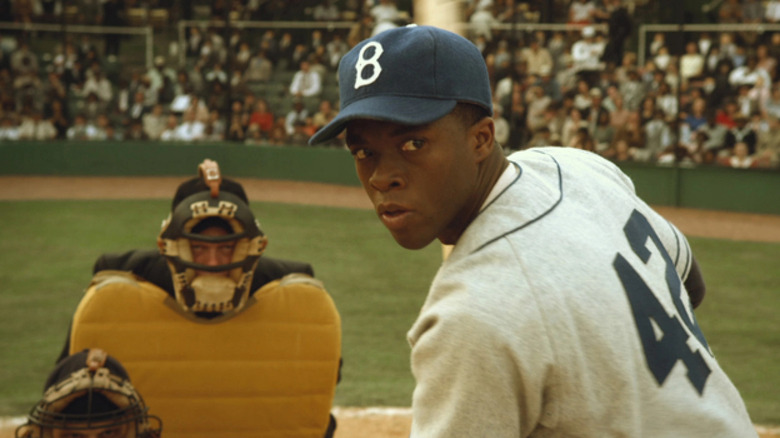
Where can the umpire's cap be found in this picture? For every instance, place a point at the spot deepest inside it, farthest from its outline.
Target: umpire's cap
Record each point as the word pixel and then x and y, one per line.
pixel 410 75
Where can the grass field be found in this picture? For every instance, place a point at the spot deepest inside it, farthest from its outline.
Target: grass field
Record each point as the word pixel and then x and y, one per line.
pixel 47 249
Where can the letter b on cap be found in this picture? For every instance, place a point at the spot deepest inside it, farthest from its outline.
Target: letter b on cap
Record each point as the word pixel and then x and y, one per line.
pixel 370 62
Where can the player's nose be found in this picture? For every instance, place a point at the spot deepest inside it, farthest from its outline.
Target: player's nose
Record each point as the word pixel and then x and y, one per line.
pixel 388 174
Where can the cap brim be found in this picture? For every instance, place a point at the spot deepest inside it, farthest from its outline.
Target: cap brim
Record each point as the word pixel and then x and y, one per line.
pixel 397 109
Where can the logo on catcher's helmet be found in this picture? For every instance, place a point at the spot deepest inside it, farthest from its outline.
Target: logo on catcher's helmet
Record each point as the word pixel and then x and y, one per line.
pixel 87 391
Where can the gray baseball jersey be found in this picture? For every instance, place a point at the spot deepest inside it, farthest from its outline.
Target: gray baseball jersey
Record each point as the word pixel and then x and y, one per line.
pixel 561 312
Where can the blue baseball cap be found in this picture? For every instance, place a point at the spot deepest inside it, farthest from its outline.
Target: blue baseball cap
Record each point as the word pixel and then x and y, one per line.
pixel 409 75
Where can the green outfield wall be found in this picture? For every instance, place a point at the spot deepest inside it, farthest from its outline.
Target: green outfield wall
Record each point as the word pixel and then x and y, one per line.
pixel 714 188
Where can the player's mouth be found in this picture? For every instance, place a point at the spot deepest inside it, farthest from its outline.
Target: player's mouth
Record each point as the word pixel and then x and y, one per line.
pixel 394 216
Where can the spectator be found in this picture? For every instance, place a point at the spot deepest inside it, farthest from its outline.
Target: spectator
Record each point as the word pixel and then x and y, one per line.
pixel 23 61
pixel 752 13
pixel 771 106
pixel 537 58
pixel 619 30
pixel 170 133
pixel 316 65
pixel 306 83
pixel 582 97
pixel 154 122
pixel 137 109
pixel 58 116
pixel 537 105
pixel 691 64
pixel 35 127
pixel 279 133
pixel 136 131
pixel 207 56
pixel 768 147
pixel 215 125
pixel 582 140
pixel 647 110
pixel 242 57
pixel 324 114
pixel 237 125
pixel 659 137
pixel 772 14
pixel 361 30
pixel 765 61
pixel 730 11
pixel 191 128
pixel 727 115
pixel 697 117
pixel 749 74
pixel 728 48
pixel 556 116
pixel 9 129
pixel 104 130
pixel 295 117
pixel 741 132
pixel 619 151
pixel 216 74
pixel 586 54
pixel 739 157
pixel 262 117
pixel 501 125
pixel 335 49
pixel 571 125
pixel 326 10
pixel 581 12
pixel 632 133
pixel 54 88
pixel 299 53
pixel 112 14
pixel 284 51
pixel 386 16
pixel 194 41
pixel 603 133
pixel 667 102
pixel 632 90
pixel 259 68
pixel 619 114
pixel 549 84
pixel 557 46
pixel 81 130
pixel 540 138
pixel 481 19
pixel 594 111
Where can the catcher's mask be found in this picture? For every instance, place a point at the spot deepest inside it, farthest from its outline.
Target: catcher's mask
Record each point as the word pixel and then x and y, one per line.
pixel 210 295
pixel 87 391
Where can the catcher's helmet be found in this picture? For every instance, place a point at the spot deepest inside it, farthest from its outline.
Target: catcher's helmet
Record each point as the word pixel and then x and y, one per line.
pixel 86 391
pixel 209 198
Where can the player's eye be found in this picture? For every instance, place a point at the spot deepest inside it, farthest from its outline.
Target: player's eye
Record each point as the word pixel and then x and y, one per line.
pixel 227 248
pixel 413 145
pixel 361 153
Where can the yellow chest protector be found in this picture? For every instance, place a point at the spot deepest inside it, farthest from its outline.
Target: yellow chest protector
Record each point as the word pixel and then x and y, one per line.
pixel 269 371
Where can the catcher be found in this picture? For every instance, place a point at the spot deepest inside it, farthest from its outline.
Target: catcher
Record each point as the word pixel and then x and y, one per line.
pixel 88 395
pixel 224 340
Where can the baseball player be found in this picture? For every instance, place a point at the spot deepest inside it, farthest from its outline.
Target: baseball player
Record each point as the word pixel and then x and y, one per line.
pixel 245 344
pixel 89 395
pixel 566 305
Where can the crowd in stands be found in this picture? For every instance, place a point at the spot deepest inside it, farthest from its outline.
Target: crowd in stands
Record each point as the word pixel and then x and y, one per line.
pixel 700 98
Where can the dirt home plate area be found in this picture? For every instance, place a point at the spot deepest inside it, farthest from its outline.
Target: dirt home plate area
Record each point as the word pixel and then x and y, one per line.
pixel 352 422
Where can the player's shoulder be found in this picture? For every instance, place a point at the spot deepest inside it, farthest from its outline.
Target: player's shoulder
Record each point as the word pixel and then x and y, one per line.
pixel 571 161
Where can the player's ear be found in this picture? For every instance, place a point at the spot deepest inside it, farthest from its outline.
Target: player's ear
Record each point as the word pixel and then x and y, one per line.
pixel 482 134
